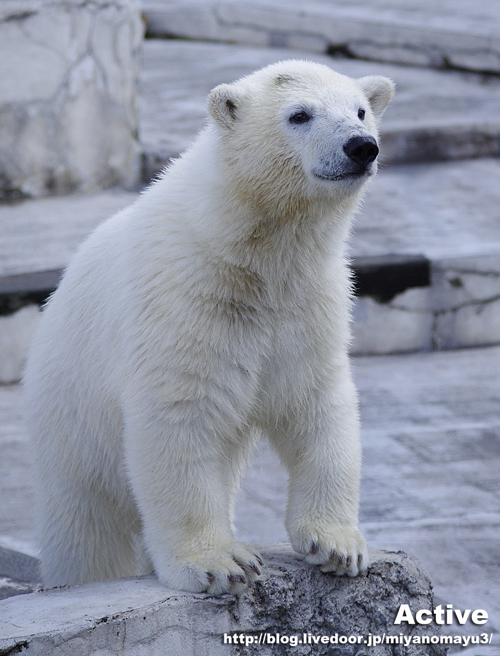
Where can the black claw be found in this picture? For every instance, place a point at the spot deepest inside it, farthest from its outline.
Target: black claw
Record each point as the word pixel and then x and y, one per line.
pixel 341 559
pixel 210 577
pixel 360 558
pixel 254 567
pixel 260 561
pixel 239 578
pixel 333 555
pixel 314 548
pixel 348 561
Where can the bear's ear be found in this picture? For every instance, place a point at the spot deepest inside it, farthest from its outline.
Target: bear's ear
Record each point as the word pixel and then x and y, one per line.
pixel 379 91
pixel 225 103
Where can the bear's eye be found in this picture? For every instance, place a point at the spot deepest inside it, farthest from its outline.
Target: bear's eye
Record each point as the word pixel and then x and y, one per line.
pixel 300 117
pixel 361 114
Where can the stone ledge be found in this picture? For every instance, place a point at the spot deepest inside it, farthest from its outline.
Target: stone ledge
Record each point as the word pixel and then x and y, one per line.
pixel 458 307
pixel 140 616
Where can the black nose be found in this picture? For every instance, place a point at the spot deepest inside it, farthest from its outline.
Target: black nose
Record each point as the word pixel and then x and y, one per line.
pixel 361 150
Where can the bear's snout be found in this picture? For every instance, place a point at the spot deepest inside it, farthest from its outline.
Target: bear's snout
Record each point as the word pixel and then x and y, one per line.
pixel 361 150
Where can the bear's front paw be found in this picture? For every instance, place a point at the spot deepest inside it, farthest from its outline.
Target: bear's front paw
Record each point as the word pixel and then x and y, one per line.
pixel 229 569
pixel 342 550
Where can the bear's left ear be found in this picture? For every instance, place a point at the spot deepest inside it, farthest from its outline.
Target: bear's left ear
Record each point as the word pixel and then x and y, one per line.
pixel 379 91
pixel 225 103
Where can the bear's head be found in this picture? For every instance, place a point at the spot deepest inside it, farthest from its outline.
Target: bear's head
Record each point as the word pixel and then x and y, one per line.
pixel 298 131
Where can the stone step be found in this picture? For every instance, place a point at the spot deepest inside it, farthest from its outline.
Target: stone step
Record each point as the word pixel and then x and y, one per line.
pixel 44 233
pixel 435 115
pixel 464 35
pixel 426 252
pixel 448 212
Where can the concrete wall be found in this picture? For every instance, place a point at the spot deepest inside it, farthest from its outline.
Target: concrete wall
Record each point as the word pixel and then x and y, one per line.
pixel 68 116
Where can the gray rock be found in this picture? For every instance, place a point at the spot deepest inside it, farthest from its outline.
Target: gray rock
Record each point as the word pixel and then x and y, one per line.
pixel 292 601
pixel 459 307
pixel 19 573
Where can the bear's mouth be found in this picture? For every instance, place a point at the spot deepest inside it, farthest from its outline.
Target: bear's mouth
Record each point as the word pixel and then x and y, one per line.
pixel 343 176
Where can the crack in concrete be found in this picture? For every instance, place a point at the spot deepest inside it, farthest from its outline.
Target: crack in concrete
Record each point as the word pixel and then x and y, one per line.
pixel 15 649
pixel 473 272
pixel 472 303
pixel 453 308
pixel 93 4
pixel 18 17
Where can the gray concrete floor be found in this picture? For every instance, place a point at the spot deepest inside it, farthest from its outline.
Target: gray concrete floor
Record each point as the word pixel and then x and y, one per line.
pixel 431 487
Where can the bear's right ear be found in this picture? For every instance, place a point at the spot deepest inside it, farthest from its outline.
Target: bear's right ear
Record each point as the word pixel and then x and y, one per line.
pixel 224 103
pixel 379 91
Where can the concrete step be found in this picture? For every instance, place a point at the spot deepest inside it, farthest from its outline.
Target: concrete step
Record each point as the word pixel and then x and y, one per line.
pixel 37 239
pixel 448 212
pixel 464 35
pixel 431 440
pixel 435 115
pixel 44 233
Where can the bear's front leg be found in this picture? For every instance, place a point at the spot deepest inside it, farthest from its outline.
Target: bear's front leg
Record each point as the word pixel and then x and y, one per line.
pixel 320 447
pixel 184 475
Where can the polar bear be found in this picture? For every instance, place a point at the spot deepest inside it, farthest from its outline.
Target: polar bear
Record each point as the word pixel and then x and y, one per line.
pixel 213 310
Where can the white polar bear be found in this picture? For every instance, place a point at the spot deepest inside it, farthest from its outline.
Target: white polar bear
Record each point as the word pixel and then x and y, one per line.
pixel 212 310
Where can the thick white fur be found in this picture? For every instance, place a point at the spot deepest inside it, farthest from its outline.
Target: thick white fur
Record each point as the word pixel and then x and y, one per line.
pixel 212 310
